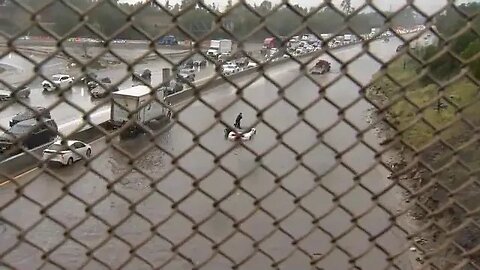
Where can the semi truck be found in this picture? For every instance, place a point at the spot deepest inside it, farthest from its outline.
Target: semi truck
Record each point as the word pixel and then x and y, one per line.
pixel 136 107
pixel 218 47
pixel 273 43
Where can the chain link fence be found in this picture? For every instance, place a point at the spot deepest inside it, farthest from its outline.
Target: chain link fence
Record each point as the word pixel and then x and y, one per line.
pixel 123 146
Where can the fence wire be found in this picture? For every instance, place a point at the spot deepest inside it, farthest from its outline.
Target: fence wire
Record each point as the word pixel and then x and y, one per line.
pixel 358 146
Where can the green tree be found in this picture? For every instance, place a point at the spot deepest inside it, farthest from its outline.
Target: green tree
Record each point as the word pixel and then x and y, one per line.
pixel 346 6
pixel 407 17
pixel 265 7
pixel 470 54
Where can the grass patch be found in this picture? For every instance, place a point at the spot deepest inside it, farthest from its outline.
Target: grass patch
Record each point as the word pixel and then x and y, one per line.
pixel 415 111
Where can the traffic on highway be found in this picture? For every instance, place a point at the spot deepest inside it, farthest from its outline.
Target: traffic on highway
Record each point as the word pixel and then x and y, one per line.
pixel 96 88
pixel 125 171
pixel 88 90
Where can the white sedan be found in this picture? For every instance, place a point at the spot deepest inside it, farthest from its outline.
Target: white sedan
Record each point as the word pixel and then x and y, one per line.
pixel 230 68
pixel 67 153
pixel 58 80
pixel 252 65
pixel 241 135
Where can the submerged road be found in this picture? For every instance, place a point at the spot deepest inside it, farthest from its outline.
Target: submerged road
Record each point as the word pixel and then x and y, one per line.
pixel 176 201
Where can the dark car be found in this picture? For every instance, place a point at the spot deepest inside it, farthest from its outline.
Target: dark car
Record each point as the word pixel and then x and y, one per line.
pixel 90 80
pixel 37 112
pixel 168 40
pixel 104 89
pixel 200 63
pixel 321 67
pixel 22 92
pixel 29 133
pixel 242 62
pixel 186 74
pixel 5 95
pixel 188 64
pixel 146 76
pixel 171 87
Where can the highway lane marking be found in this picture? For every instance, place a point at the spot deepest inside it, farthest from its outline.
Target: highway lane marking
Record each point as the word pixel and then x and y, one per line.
pixel 18 176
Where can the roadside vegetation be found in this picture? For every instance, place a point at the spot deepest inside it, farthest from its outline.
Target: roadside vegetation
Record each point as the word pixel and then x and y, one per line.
pixel 430 100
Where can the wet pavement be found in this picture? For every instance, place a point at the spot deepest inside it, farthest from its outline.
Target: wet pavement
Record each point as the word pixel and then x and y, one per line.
pixel 288 201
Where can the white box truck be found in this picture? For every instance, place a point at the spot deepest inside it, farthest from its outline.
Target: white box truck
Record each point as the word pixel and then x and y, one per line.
pixel 218 47
pixel 137 105
pixel 347 37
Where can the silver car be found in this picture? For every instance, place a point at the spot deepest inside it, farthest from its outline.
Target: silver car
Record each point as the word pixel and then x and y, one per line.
pixel 187 74
pixel 57 81
pixel 5 95
pixel 22 92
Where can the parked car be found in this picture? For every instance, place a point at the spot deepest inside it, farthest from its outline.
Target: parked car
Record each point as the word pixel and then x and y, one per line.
pixel 67 152
pixel 29 133
pixel 104 89
pixel 230 68
pixel 187 74
pixel 37 112
pixel 171 87
pixel 58 80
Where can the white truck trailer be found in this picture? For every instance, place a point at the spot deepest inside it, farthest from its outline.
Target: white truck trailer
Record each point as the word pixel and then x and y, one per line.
pixel 137 106
pixel 218 47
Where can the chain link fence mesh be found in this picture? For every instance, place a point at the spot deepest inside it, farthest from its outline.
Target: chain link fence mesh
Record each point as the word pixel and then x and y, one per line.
pixel 371 163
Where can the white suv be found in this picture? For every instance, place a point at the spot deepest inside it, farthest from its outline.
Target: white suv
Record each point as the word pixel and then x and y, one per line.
pixel 58 80
pixel 230 68
pixel 62 152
